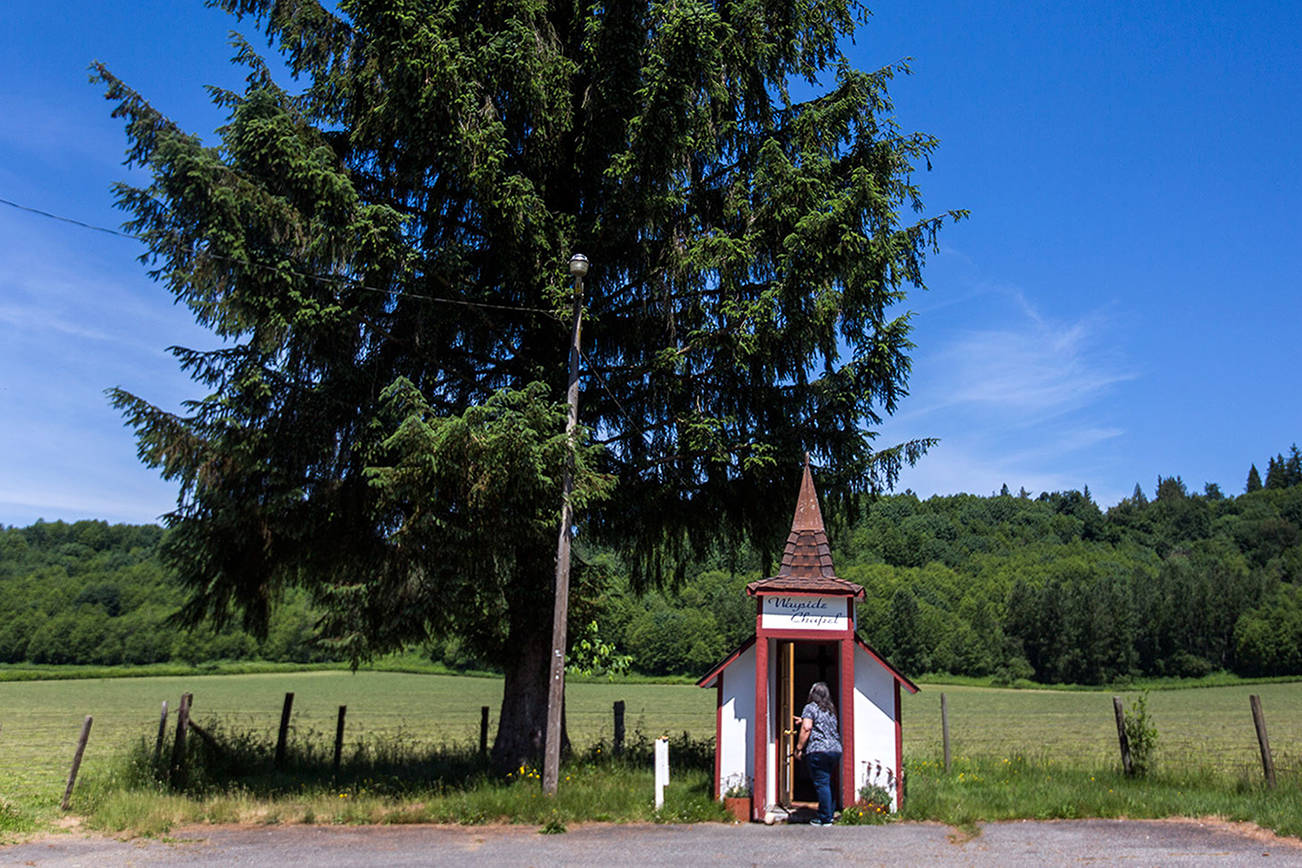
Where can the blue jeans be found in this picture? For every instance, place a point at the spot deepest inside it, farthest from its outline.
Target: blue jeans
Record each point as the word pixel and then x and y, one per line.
pixel 822 768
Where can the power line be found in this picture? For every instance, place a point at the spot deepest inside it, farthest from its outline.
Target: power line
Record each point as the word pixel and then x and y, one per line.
pixel 324 278
pixel 596 372
pixel 66 219
pixel 601 380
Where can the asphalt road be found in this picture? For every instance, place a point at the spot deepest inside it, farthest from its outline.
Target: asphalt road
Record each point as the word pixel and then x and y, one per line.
pixel 1096 842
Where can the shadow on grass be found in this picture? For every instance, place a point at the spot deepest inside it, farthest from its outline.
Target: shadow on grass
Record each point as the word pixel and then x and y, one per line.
pixel 394 765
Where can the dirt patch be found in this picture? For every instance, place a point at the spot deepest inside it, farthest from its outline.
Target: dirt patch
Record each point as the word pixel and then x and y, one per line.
pixel 1241 828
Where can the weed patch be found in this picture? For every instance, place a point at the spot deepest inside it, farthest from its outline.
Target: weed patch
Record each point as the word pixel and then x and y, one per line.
pixel 987 789
pixel 13 820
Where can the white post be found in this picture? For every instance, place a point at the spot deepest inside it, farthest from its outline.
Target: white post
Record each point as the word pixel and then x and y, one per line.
pixel 662 770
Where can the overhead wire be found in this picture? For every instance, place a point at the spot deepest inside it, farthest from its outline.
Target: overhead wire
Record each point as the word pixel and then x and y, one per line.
pixel 591 368
pixel 623 414
pixel 352 281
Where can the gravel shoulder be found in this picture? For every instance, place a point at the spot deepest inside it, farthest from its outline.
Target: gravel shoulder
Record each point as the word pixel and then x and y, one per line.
pixel 1018 843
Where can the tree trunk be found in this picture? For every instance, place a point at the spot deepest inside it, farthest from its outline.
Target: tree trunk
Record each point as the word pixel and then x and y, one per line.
pixel 522 724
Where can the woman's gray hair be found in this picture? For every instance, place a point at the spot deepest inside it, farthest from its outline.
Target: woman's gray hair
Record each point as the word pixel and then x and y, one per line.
pixel 822 697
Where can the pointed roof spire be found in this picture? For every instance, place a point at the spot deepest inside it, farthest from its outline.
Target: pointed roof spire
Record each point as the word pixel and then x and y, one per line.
pixel 808 515
pixel 807 560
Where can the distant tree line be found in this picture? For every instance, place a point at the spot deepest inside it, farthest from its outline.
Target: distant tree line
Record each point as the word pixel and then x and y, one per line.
pixel 1051 588
pixel 92 593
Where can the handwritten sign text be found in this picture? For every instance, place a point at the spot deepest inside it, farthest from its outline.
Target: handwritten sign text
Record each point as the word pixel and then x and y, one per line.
pixel 804 613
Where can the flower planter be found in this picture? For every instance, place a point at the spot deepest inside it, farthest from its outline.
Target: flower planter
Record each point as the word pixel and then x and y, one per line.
pixel 738 806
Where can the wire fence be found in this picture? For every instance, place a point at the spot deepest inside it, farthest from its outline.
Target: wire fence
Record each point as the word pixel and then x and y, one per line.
pixel 1208 731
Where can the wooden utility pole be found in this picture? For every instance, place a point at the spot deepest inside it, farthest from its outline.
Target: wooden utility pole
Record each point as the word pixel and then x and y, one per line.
pixel 560 611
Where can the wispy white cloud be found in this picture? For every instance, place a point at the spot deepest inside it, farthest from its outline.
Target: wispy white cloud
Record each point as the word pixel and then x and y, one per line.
pixel 1015 396
pixel 36 318
pixel 1037 369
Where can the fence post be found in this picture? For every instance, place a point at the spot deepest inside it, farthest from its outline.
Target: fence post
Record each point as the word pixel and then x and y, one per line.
pixel 1121 736
pixel 944 728
pixel 339 738
pixel 162 733
pixel 1259 720
pixel 662 770
pixel 283 735
pixel 618 747
pixel 76 762
pixel 176 773
pixel 483 731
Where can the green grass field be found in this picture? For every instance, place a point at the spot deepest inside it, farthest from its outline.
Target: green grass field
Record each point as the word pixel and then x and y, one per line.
pixel 1202 731
pixel 40 720
pixel 1204 728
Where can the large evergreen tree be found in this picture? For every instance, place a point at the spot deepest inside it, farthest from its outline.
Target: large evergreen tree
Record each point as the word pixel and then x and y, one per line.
pixel 381 255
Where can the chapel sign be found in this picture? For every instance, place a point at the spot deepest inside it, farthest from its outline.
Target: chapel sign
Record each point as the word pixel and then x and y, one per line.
pixel 795 612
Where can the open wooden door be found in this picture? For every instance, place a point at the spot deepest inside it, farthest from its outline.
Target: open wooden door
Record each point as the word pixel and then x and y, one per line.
pixel 786 727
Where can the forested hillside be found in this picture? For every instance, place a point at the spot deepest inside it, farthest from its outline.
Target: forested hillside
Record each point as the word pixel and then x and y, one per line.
pixel 94 593
pixel 1050 588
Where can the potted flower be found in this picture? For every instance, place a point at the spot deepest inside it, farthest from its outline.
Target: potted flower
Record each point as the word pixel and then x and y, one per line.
pixel 736 798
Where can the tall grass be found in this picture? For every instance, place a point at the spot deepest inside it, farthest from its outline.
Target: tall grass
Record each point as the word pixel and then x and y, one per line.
pixel 391 779
pixel 1030 786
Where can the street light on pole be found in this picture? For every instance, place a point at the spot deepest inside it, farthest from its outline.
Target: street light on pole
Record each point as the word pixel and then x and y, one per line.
pixel 560 611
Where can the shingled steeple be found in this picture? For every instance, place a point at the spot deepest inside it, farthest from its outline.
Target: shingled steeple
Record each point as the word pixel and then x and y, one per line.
pixel 807 560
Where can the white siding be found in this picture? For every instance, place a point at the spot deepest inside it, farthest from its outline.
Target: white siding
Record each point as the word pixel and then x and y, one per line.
pixel 737 722
pixel 874 725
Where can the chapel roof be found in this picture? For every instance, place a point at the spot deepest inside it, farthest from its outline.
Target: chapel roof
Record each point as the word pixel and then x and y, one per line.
pixel 807 560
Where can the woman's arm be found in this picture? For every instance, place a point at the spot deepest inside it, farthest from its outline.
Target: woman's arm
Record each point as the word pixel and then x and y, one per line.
pixel 806 727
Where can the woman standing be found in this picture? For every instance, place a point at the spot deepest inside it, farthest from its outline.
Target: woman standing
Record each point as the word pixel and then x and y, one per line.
pixel 820 744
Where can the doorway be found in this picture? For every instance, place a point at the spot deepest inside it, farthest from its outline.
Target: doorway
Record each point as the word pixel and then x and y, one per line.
pixel 799 665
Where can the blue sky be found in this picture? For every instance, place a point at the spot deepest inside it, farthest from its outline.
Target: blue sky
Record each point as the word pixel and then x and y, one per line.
pixel 1121 304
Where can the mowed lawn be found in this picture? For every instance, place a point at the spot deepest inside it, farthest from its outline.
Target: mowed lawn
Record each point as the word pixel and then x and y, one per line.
pixel 39 721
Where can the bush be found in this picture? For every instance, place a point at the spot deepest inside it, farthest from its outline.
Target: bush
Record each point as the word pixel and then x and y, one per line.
pixel 672 641
pixel 1141 734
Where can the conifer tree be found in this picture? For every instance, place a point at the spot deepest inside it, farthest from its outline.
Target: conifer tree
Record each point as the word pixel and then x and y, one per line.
pixel 382 255
pixel 1293 467
pixel 1254 480
pixel 1275 473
